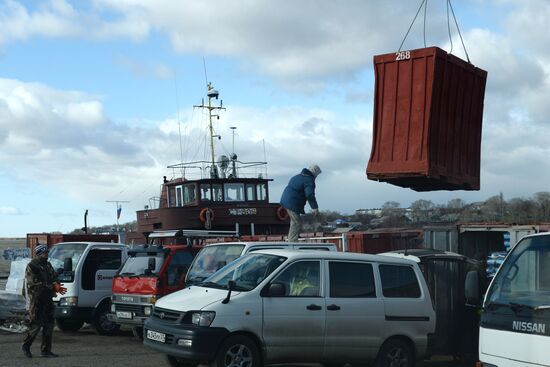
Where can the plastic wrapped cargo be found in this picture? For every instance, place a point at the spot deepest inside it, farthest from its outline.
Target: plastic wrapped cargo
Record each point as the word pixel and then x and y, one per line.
pixel 16 279
pixel 428 110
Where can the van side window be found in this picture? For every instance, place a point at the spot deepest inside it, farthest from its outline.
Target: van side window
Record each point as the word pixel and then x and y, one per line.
pixel 99 260
pixel 351 280
pixel 399 281
pixel 301 279
pixel 179 264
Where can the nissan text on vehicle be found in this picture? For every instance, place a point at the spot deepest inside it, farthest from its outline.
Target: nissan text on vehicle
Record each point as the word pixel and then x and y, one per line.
pixel 285 306
pixel 515 323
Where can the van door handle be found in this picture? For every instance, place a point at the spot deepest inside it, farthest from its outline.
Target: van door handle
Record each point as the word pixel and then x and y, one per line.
pixel 333 307
pixel 314 307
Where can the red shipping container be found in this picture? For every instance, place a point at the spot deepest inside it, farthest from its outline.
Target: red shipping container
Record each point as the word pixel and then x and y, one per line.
pixel 428 110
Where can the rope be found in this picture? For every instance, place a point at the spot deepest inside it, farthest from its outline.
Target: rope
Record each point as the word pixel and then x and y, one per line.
pixel 458 29
pixel 414 19
pixel 449 28
pixel 425 9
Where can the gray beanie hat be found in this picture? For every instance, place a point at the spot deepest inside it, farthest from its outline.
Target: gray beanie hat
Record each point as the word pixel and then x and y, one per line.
pixel 40 249
pixel 315 170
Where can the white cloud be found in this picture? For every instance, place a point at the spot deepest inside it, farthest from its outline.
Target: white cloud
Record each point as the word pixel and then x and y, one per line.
pixel 8 210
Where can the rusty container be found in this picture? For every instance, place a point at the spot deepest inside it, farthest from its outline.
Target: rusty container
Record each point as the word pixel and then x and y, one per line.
pixel 428 108
pixel 376 241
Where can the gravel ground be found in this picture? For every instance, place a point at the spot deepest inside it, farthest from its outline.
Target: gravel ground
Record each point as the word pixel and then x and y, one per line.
pixel 85 348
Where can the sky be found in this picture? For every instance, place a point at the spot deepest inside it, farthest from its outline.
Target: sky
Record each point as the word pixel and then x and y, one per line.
pixel 96 97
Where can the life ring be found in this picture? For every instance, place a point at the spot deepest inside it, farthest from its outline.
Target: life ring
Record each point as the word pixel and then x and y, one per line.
pixel 282 213
pixel 202 215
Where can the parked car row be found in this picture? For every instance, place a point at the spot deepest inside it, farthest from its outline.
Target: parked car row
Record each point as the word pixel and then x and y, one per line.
pixel 256 303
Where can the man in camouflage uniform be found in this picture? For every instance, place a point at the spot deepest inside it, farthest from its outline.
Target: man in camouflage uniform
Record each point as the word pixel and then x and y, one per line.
pixel 42 285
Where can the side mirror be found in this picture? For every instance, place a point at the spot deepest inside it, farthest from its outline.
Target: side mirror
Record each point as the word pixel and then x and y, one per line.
pixel 68 264
pixel 471 288
pixel 152 264
pixel 274 290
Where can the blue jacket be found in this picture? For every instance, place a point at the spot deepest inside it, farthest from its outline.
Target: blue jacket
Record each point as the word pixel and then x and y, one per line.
pixel 300 188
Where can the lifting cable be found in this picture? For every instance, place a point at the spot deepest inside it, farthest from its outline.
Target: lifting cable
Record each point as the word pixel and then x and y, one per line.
pixel 449 5
pixel 424 3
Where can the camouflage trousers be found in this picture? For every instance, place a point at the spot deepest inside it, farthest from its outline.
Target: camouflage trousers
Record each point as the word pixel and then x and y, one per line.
pixel 42 317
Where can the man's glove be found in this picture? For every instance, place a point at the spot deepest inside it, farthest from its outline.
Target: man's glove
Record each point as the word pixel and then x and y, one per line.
pixel 58 288
pixel 315 212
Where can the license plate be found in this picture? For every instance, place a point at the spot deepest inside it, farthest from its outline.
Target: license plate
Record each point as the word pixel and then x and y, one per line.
pixel 154 335
pixel 124 315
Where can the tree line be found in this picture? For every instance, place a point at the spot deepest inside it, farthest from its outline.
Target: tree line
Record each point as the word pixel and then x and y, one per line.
pixel 534 209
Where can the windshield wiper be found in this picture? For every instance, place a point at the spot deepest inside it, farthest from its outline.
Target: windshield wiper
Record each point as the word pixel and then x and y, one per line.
pixel 125 274
pixel 195 280
pixel 542 308
pixel 212 285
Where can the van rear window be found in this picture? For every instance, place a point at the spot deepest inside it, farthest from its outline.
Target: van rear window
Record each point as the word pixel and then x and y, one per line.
pixel 399 282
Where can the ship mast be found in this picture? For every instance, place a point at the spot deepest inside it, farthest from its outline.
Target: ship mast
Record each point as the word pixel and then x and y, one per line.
pixel 212 93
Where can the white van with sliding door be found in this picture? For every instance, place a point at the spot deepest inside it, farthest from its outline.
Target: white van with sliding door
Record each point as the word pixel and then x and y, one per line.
pixel 285 306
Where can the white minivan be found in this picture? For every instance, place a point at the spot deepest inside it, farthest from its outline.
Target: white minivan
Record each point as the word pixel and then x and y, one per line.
pixel 285 306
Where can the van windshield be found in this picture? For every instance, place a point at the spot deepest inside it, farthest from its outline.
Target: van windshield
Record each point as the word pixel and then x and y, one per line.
pixel 523 282
pixel 247 272
pixel 210 259
pixel 138 264
pixel 59 253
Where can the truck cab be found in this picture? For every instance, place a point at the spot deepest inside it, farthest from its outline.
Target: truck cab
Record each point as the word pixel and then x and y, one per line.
pixel 86 269
pixel 148 273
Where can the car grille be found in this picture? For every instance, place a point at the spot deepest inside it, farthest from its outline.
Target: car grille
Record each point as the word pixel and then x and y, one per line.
pixel 136 309
pixel 167 315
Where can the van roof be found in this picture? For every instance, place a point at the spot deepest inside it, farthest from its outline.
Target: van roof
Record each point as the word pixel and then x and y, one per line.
pixel 272 243
pixel 333 255
pixel 92 243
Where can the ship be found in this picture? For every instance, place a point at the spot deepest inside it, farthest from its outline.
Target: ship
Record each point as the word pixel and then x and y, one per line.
pixel 229 198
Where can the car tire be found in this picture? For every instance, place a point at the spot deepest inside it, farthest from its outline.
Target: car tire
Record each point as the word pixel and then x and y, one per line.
pixel 395 352
pixel 69 325
pixel 101 324
pixel 237 351
pixel 180 362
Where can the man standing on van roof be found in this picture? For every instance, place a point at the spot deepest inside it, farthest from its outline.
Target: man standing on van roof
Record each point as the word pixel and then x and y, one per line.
pixel 42 285
pixel 300 188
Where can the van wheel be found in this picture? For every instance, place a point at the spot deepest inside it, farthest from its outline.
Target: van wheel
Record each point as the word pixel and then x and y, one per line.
pixel 237 351
pixel 102 324
pixel 68 325
pixel 395 353
pixel 180 362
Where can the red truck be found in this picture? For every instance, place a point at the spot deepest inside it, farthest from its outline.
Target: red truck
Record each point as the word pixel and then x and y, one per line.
pixel 148 273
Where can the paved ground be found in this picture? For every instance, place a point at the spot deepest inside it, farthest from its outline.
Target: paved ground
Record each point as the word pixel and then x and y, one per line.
pixel 85 348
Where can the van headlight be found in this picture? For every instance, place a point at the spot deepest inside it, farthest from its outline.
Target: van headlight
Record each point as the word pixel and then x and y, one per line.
pixel 68 301
pixel 203 318
pixel 147 310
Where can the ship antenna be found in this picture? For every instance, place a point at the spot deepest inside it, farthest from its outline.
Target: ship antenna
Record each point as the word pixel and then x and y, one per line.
pixel 205 75
pixel 179 122
pixel 212 93
pixel 265 159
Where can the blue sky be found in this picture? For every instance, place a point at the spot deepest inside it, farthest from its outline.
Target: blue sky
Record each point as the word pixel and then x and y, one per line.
pixel 93 95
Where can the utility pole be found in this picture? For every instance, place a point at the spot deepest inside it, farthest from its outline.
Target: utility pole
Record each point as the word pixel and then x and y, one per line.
pixel 118 209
